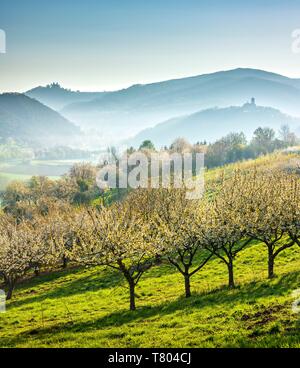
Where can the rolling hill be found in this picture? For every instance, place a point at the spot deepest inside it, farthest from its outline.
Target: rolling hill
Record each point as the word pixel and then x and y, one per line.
pixel 212 124
pixel 126 112
pixel 57 97
pixel 25 119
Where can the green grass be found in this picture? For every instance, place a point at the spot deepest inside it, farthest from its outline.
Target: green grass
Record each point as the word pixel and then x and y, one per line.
pixel 23 171
pixel 6 178
pixel 89 308
pixel 57 162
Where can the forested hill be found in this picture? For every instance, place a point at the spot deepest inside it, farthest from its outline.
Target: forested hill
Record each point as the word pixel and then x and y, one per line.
pixel 212 124
pixel 26 119
pixel 141 106
pixel 57 97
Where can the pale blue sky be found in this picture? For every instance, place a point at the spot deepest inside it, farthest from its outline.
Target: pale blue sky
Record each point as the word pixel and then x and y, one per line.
pixel 98 45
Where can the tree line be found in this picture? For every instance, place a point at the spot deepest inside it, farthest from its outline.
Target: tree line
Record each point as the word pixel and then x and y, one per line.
pixel 233 147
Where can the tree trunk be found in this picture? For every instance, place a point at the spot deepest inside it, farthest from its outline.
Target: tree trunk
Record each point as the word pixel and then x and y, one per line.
pixel 131 283
pixel 271 259
pixel 187 285
pixel 37 271
pixel 65 262
pixel 10 289
pixel 132 295
pixel 230 275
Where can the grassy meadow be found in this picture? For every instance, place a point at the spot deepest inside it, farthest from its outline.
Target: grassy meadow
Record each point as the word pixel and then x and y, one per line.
pixel 20 171
pixel 88 307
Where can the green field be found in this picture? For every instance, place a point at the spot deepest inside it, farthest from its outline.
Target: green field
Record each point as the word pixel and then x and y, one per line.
pixel 6 178
pixel 88 307
pixel 11 171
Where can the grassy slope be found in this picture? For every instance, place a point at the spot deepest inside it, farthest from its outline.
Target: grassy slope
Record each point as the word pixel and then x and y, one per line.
pixel 88 308
pixel 7 178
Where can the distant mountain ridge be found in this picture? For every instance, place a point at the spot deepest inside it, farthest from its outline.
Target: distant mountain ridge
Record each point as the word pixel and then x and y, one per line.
pixel 122 114
pixel 127 111
pixel 26 119
pixel 212 124
pixel 57 97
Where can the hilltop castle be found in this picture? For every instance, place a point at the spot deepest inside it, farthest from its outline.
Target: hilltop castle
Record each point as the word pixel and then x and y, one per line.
pixel 250 104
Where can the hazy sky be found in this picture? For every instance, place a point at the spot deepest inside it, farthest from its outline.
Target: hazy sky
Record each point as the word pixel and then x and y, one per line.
pixel 109 44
